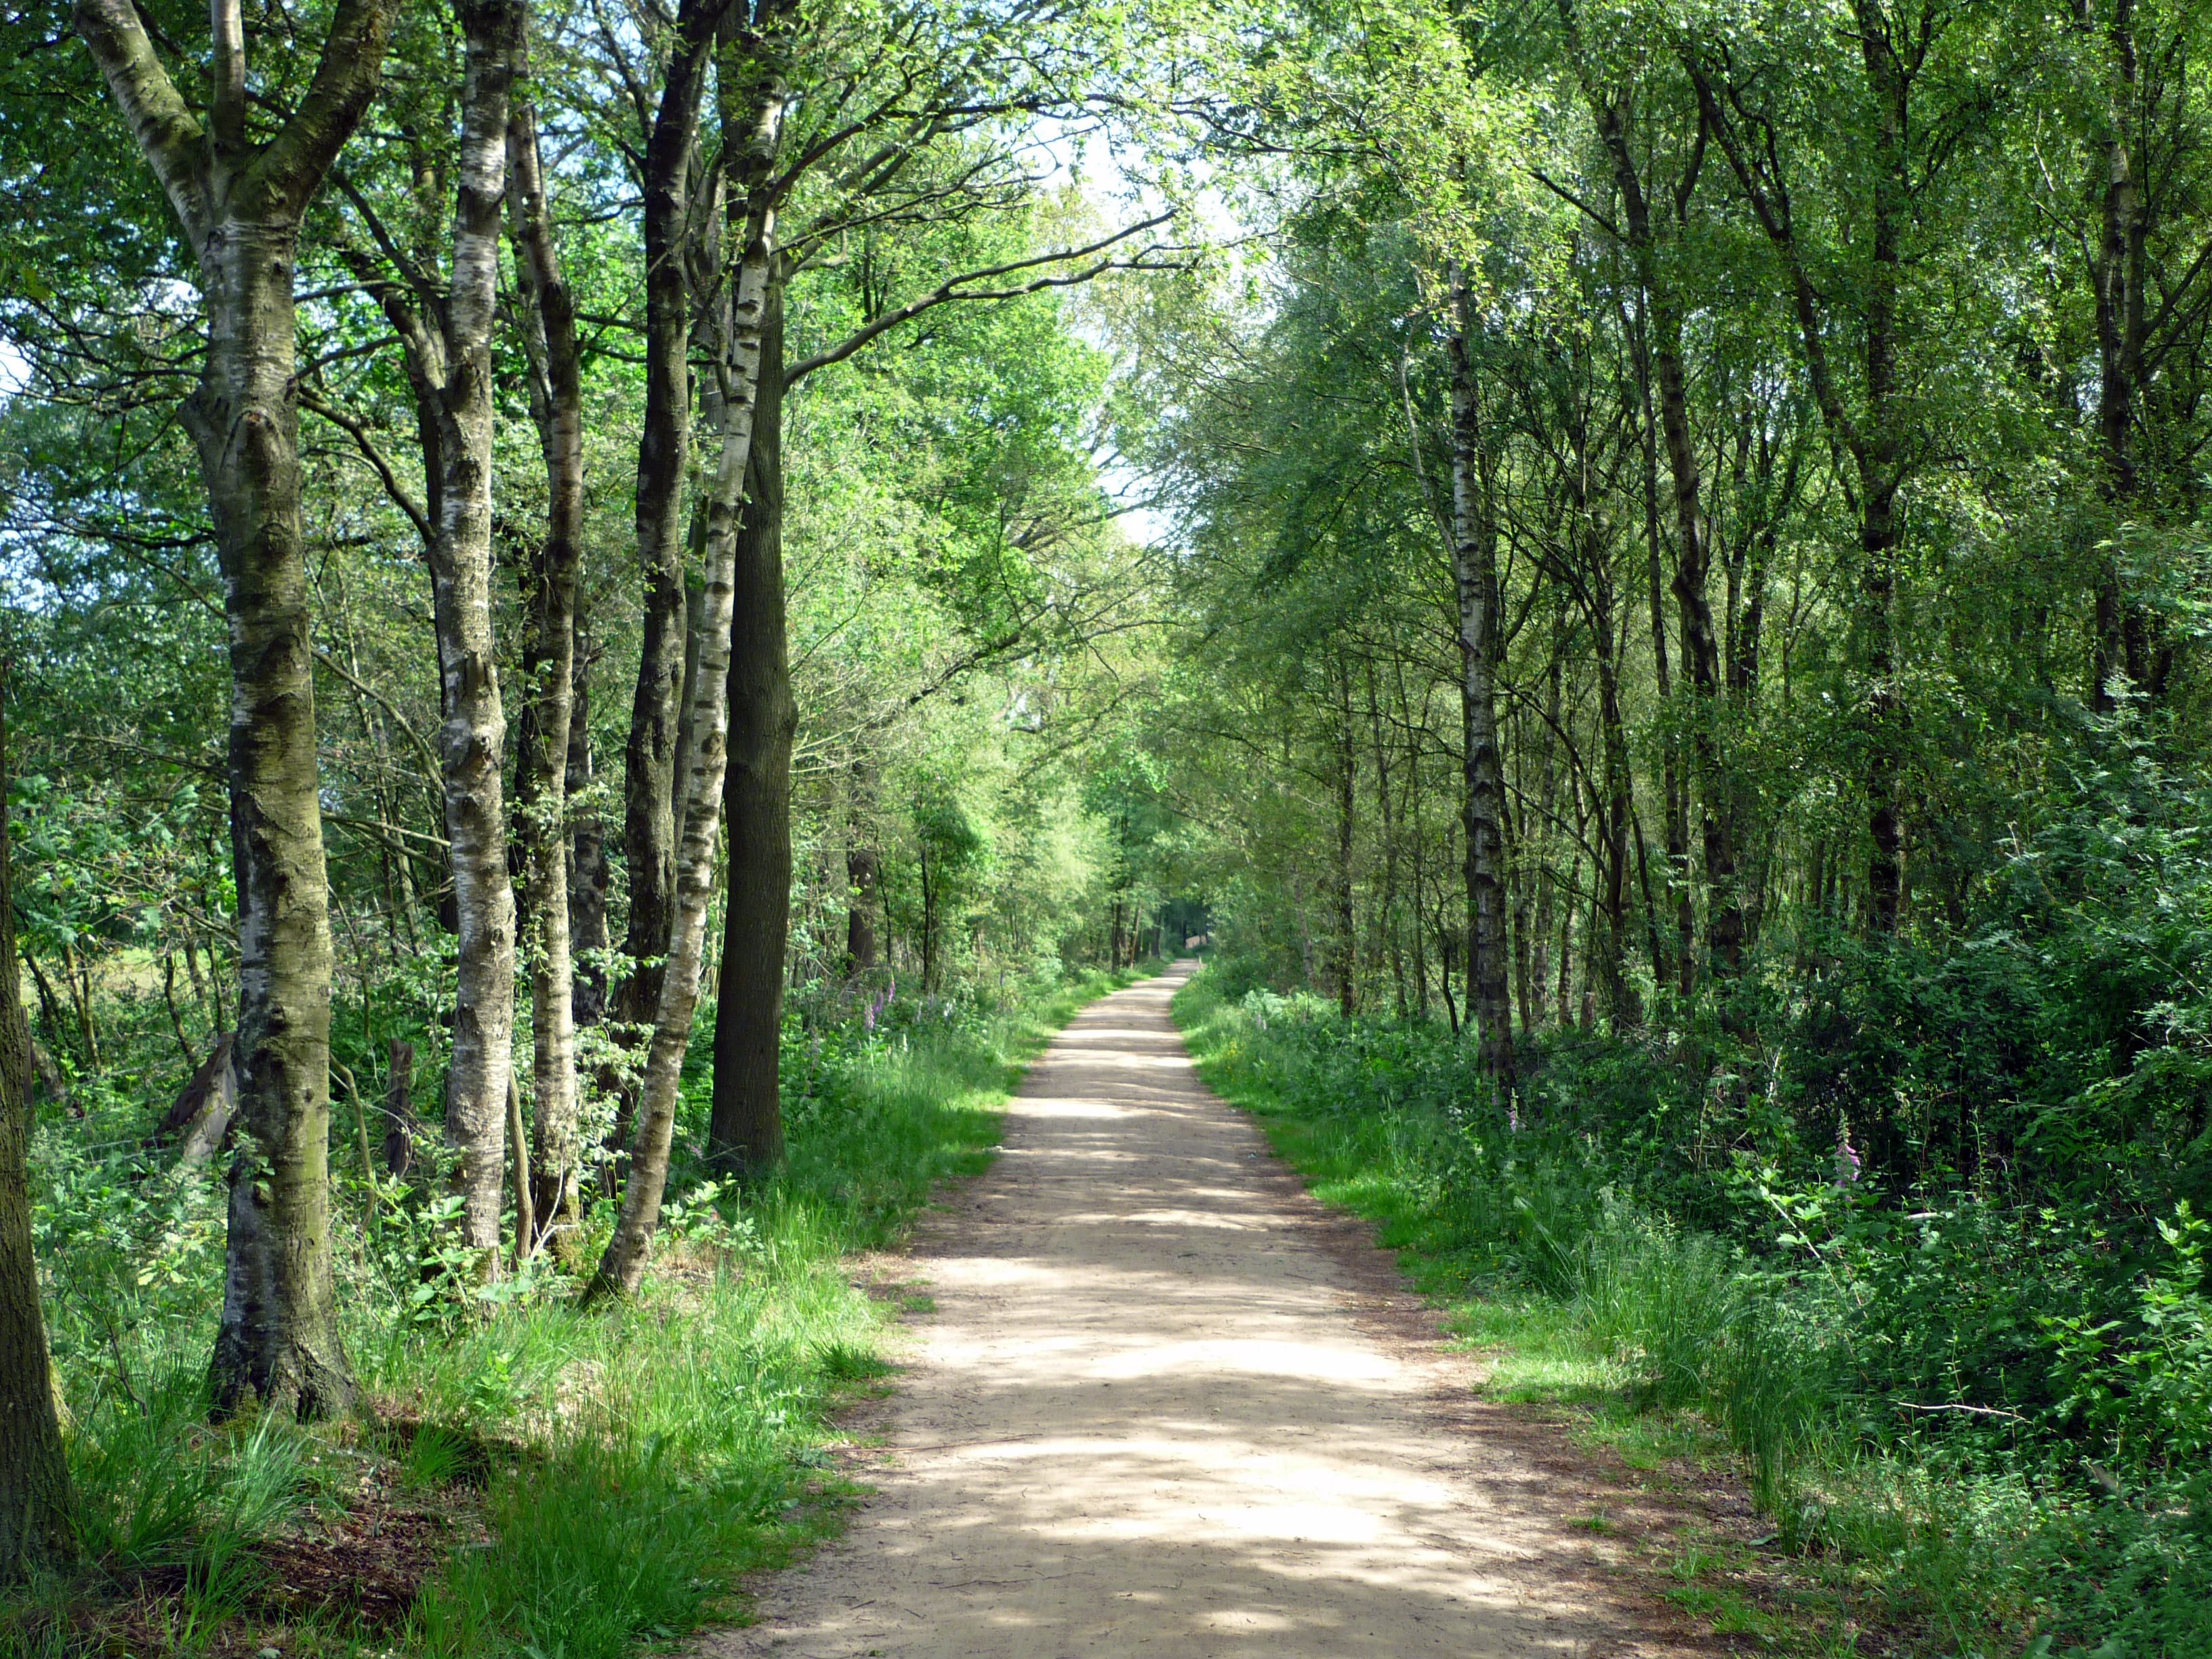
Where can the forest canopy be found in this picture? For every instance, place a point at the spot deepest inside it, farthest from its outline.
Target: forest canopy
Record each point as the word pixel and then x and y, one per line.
pixel 586 581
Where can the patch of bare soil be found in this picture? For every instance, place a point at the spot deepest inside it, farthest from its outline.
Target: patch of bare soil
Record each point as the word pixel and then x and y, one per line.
pixel 361 1567
pixel 365 1567
pixel 1167 1404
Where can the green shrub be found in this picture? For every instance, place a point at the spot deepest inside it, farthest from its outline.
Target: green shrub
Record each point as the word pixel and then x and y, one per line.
pixel 1926 1398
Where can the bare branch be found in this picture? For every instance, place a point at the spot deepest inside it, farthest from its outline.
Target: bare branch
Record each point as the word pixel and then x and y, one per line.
pixel 958 288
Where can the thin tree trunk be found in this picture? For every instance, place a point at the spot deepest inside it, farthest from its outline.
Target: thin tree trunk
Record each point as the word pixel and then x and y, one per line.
pixel 1611 957
pixel 1717 826
pixel 745 1133
pixel 36 1504
pixel 472 736
pixel 1305 930
pixel 1878 446
pixel 1346 944
pixel 737 372
pixel 1475 577
pixel 1387 816
pixel 78 978
pixel 587 854
pixel 2121 652
pixel 649 824
pixel 1881 473
pixel 1445 943
pixel 548 321
pixel 525 1216
pixel 1547 799
pixel 1674 803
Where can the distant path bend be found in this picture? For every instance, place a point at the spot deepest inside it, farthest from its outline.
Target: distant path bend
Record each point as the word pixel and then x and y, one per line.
pixel 1166 1407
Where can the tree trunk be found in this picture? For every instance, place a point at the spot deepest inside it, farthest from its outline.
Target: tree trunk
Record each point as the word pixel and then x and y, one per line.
pixel 587 853
pixel 737 372
pixel 863 875
pixel 1674 803
pixel 400 1124
pixel 1386 814
pixel 35 1501
pixel 547 322
pixel 473 735
pixel 1474 575
pixel 241 203
pixel 1701 656
pixel 200 1120
pixel 1547 802
pixel 1346 951
pixel 745 1134
pixel 1877 446
pixel 1880 475
pixel 279 1335
pixel 78 978
pixel 1610 956
pixel 649 827
pixel 2118 275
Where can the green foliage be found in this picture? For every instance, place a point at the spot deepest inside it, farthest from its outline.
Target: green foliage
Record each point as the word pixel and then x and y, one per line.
pixel 1966 1418
pixel 626 1469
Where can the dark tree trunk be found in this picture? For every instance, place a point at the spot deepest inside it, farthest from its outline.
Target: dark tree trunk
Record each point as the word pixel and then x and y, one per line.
pixel 1474 572
pixel 1386 814
pixel 1879 474
pixel 863 873
pixel 1701 656
pixel 401 1125
pixel 1346 951
pixel 1674 802
pixel 753 109
pixel 2122 634
pixel 1611 959
pixel 35 1501
pixel 649 824
pixel 746 1132
pixel 1876 441
pixel 1547 800
pixel 588 854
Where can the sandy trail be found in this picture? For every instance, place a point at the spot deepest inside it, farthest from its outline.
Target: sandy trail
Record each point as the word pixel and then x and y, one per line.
pixel 1156 1413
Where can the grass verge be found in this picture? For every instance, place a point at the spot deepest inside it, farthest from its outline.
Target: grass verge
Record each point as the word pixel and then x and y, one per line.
pixel 1701 1366
pixel 528 1479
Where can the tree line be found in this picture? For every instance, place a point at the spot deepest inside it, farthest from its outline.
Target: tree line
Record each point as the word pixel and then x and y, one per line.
pixel 531 303
pixel 1680 480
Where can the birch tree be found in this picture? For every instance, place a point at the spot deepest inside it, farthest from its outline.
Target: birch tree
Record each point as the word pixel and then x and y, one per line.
pixel 444 323
pixel 240 186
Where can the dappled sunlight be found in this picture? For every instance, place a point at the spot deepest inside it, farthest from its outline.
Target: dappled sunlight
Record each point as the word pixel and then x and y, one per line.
pixel 1143 1420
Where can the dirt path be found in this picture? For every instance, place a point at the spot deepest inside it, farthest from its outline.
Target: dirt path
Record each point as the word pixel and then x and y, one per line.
pixel 1165 1407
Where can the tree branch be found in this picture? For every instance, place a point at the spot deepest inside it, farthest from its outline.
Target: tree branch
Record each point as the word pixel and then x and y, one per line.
pixel 958 287
pixel 294 163
pixel 159 119
pixel 356 428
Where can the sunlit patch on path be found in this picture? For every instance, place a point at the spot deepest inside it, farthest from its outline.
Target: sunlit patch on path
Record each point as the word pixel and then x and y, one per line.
pixel 1146 1418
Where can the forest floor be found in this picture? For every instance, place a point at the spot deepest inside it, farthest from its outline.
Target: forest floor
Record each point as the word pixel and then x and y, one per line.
pixel 1163 1401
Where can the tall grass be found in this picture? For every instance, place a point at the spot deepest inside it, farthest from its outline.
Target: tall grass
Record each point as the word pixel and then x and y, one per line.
pixel 1975 1544
pixel 610 1476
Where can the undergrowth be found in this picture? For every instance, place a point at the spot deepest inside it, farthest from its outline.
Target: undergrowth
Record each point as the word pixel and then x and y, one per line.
pixel 526 1479
pixel 1970 1440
